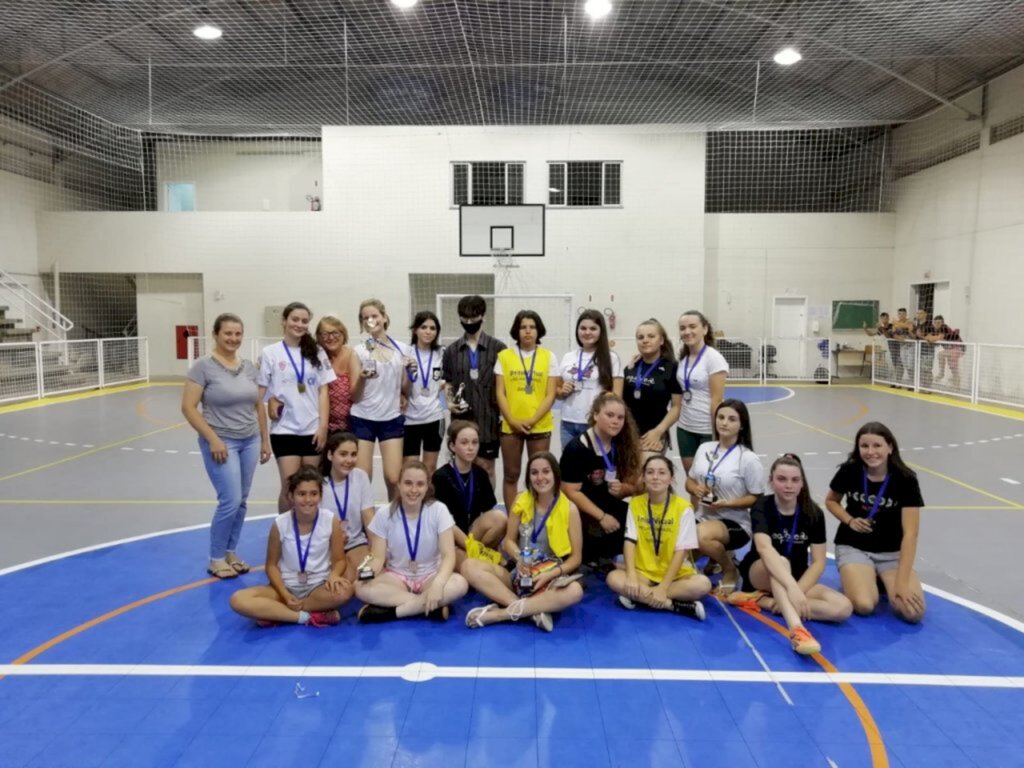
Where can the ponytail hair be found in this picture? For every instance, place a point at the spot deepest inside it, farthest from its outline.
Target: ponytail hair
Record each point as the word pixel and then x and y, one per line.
pixel 308 347
pixel 804 502
pixel 709 334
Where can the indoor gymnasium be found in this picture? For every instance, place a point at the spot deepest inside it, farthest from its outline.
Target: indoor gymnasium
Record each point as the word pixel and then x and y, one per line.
pixel 511 383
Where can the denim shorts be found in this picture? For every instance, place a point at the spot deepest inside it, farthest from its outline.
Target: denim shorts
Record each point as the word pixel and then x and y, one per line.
pixel 882 561
pixel 372 431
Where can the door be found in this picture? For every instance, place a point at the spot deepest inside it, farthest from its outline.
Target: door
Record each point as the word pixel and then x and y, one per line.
pixel 789 327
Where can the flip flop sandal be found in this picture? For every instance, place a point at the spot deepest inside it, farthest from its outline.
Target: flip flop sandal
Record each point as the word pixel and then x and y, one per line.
pixel 474 616
pixel 222 572
pixel 240 566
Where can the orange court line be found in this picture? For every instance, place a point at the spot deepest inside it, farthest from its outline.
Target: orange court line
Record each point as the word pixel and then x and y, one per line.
pixel 35 652
pixel 879 757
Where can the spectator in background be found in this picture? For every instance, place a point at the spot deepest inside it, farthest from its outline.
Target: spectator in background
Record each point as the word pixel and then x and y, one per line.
pixel 885 330
pixel 923 328
pixel 902 333
pixel 948 353
pixel 332 335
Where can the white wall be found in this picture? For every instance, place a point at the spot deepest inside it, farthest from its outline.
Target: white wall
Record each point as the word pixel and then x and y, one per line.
pixel 387 214
pixel 165 301
pixel 751 258
pixel 963 220
pixel 272 175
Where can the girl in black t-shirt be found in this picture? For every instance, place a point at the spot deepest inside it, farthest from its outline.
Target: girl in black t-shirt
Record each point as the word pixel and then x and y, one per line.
pixel 877 536
pixel 465 488
pixel 600 468
pixel 650 388
pixel 787 527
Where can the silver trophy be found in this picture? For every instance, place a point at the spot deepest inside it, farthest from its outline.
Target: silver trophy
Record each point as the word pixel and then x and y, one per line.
pixel 459 401
pixel 709 497
pixel 364 570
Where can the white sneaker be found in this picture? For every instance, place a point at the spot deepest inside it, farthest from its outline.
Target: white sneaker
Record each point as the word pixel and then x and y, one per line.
pixel 626 603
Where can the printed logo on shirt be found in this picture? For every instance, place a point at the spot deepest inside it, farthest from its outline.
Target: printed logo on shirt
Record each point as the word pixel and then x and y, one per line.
pixel 782 538
pixel 596 476
pixel 436 374
pixel 869 501
pixel 282 365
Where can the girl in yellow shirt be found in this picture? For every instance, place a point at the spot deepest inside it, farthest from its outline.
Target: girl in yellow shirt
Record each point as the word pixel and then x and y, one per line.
pixel 660 533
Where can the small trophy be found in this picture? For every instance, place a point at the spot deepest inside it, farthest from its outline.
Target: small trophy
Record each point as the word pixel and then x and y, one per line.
pixel 370 364
pixel 365 571
pixel 459 401
pixel 526 579
pixel 709 497
pixel 610 475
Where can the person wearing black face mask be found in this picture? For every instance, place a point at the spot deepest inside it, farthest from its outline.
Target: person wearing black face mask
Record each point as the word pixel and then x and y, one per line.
pixel 467 367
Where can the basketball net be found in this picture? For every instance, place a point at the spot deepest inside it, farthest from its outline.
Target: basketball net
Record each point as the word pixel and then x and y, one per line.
pixel 504 263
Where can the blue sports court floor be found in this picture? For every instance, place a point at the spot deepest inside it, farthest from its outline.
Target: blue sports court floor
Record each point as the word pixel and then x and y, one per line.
pixel 124 655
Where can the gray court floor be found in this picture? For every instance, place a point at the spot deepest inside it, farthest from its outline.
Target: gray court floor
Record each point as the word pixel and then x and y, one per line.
pixel 82 473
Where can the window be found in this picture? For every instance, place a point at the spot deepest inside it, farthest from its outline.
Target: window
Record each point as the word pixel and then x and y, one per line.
pixel 181 196
pixel 586 184
pixel 488 183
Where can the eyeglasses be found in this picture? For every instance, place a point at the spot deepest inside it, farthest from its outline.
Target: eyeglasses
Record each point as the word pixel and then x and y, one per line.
pixel 331 335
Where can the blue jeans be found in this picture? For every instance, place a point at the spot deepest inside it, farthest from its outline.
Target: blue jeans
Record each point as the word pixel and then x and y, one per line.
pixel 232 481
pixel 568 430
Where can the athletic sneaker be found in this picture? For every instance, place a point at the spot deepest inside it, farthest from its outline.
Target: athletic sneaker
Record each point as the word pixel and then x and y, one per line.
pixel 321 619
pixel 544 621
pixel 803 642
pixel 748 600
pixel 694 610
pixel 626 603
pixel 376 614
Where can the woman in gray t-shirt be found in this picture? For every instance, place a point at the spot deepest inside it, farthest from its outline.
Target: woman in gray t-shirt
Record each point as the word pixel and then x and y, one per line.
pixel 232 436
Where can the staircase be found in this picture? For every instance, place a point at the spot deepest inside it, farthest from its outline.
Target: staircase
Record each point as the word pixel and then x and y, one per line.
pixel 9 331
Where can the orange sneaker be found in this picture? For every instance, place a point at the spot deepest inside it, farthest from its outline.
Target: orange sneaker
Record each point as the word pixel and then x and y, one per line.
pixel 803 642
pixel 746 599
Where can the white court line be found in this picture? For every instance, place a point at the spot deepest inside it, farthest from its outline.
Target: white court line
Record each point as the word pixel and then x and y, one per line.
pixel 1010 480
pixel 757 653
pixel 422 671
pixel 776 400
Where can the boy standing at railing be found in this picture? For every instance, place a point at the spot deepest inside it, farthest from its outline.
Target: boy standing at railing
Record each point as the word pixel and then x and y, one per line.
pixel 950 353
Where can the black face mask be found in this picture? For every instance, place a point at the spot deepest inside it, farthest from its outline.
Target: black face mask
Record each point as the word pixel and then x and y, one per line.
pixel 472 328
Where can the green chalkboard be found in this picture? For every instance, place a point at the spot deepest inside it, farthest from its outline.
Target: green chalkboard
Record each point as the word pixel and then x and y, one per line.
pixel 852 315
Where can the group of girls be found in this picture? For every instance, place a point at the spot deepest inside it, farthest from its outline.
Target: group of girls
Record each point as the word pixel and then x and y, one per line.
pixel 609 501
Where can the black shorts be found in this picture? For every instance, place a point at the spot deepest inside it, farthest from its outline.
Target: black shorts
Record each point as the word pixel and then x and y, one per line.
pixel 737 536
pixel 429 436
pixel 748 562
pixel 489 450
pixel 293 445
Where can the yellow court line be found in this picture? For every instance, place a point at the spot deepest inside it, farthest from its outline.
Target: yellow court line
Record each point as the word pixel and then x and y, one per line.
pixel 105 502
pixel 961 483
pixel 928 397
pixel 879 757
pixel 55 399
pixel 90 452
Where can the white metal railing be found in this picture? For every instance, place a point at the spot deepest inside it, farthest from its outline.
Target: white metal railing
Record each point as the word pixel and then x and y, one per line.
pixel 36 311
pixel 35 370
pixel 981 373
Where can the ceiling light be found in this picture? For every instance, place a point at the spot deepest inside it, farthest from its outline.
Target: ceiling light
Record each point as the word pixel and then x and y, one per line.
pixel 598 9
pixel 788 55
pixel 404 4
pixel 556 190
pixel 207 32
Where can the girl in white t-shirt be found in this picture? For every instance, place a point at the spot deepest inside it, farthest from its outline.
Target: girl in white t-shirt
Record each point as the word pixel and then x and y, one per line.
pixel 305 563
pixel 701 374
pixel 381 372
pixel 424 413
pixel 347 491
pixel 585 373
pixel 413 548
pixel 295 375
pixel 725 480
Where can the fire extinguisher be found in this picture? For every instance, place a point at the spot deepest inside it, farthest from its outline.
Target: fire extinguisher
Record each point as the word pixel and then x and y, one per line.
pixel 609 313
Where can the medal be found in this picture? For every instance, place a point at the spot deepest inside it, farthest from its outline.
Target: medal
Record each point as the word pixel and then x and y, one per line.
pixel 474 373
pixel 528 389
pixel 687 395
pixel 687 370
pixel 424 374
pixel 528 373
pixel 641 376
pixel 303 556
pixel 300 373
pixel 474 363
pixel 411 545
pixel 303 578
pixel 636 394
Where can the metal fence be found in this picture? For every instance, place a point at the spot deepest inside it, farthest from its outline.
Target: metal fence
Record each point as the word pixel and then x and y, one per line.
pixel 980 373
pixel 42 369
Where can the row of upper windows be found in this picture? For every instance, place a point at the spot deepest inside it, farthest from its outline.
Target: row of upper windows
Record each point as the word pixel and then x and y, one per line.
pixel 573 184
